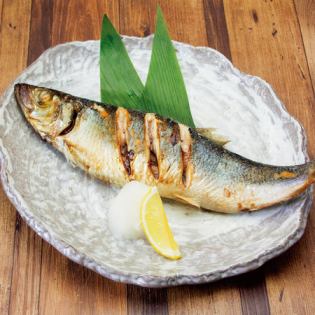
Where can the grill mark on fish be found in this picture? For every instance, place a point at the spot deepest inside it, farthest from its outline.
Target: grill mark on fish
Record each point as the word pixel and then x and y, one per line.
pixel 152 144
pixel 101 110
pixel 186 153
pixel 122 122
pixel 285 175
pixel 153 164
pixel 125 157
pixel 175 135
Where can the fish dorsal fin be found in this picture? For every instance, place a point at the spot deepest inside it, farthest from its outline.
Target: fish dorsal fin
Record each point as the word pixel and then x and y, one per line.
pixel 211 134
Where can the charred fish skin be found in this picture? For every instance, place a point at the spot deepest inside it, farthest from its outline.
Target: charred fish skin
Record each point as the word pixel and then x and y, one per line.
pixel 118 145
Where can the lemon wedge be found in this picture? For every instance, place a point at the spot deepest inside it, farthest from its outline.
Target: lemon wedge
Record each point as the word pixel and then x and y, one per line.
pixel 155 225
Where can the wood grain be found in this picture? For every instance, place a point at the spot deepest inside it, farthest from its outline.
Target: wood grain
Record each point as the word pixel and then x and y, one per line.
pixel 14 39
pixel 253 293
pixel 217 34
pixel 183 25
pixel 139 19
pixel 272 39
pixel 146 301
pixel 276 54
pixel 306 16
pixel 215 298
pixel 67 288
pixel 272 29
pixel 81 20
pixel 26 270
pixel 41 28
pixel 1 6
pixel 15 19
pixel 7 228
pixel 24 298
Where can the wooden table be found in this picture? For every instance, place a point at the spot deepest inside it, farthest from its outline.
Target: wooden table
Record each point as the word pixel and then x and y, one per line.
pixel 274 39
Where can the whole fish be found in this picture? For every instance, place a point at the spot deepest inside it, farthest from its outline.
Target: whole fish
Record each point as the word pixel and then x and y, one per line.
pixel 117 145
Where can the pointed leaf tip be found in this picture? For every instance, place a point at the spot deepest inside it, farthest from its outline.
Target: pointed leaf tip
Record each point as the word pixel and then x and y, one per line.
pixel 164 92
pixel 120 83
pixel 165 89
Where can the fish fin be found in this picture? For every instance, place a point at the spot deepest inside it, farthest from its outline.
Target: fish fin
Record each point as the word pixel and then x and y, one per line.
pixel 211 134
pixel 189 200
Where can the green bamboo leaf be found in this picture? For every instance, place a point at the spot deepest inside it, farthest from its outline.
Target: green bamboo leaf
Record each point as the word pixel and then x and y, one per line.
pixel 120 83
pixel 165 91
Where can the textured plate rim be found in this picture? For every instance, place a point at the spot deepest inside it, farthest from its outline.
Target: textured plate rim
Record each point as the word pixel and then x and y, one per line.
pixel 146 280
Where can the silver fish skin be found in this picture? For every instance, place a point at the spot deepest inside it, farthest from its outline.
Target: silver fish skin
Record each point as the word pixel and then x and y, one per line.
pixel 117 145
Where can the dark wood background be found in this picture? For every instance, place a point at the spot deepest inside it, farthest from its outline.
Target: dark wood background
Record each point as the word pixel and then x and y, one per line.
pixel 274 39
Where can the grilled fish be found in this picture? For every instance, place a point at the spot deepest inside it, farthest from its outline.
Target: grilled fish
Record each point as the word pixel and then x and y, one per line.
pixel 117 145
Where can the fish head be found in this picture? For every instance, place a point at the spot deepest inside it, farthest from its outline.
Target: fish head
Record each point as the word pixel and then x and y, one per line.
pixel 49 112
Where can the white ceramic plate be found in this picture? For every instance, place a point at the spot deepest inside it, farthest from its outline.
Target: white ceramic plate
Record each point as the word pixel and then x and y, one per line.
pixel 69 209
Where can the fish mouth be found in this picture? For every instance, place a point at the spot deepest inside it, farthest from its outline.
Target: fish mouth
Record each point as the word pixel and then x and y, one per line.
pixel 22 93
